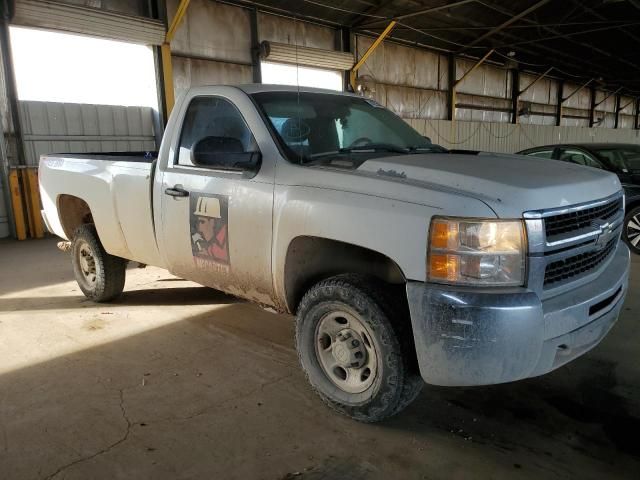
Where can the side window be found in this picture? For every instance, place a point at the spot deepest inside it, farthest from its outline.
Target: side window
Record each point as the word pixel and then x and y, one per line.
pixel 214 135
pixel 581 158
pixel 541 154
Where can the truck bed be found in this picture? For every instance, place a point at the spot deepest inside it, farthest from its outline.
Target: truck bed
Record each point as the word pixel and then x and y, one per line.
pixel 140 157
pixel 116 186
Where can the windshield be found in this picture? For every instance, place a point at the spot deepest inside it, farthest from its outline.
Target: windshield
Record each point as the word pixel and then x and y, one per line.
pixel 314 126
pixel 624 159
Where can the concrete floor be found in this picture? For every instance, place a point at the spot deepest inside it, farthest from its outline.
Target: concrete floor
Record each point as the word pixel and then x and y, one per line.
pixel 179 381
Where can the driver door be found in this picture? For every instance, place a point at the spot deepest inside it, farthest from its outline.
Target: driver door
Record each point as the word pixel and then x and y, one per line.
pixel 216 205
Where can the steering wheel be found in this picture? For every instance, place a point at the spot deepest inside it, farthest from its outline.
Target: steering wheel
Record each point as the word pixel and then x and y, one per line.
pixel 361 142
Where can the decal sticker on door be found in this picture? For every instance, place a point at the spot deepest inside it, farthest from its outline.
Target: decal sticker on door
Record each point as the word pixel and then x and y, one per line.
pixel 210 231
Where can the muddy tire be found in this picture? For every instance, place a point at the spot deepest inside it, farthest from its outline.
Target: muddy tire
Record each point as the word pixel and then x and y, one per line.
pixel 631 231
pixel 355 346
pixel 100 276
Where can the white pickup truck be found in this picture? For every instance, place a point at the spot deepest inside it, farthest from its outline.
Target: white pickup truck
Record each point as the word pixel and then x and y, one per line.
pixel 401 261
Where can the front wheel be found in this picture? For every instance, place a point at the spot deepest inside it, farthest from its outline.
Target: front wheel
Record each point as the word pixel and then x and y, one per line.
pixel 100 276
pixel 355 357
pixel 631 234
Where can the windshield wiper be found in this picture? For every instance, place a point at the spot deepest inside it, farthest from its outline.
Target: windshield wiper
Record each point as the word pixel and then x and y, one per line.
pixel 372 147
pixel 427 149
pixel 375 147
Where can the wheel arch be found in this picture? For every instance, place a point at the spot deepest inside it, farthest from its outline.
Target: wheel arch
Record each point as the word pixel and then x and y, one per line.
pixel 73 212
pixel 310 259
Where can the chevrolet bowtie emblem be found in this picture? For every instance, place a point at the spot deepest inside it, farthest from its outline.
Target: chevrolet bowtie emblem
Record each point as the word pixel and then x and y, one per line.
pixel 605 233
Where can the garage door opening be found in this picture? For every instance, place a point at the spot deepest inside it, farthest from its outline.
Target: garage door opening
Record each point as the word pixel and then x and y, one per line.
pixel 60 67
pixel 285 74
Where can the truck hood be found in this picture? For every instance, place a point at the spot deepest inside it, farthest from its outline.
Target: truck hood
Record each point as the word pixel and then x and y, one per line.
pixel 509 184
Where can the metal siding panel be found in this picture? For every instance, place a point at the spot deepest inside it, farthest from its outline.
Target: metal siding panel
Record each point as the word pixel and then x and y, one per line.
pixel 90 122
pixel 608 105
pixel 626 121
pixel 146 119
pixel 294 32
pixel 510 138
pixel 629 105
pixel 106 120
pixel 56 121
pixel 61 128
pixel 73 119
pixel 120 122
pixel 433 104
pixel 189 72
pixel 212 30
pixel 402 101
pixel 580 100
pixel 486 80
pixel 134 121
pixel 544 91
pixel 399 65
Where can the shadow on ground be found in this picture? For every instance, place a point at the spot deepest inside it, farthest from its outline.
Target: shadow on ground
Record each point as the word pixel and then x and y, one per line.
pixel 156 297
pixel 219 395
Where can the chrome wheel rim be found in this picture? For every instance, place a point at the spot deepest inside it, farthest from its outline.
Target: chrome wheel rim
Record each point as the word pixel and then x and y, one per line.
pixel 633 231
pixel 87 263
pixel 346 351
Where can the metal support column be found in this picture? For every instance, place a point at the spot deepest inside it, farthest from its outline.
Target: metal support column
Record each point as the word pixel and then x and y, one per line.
pixel 17 207
pixel 559 103
pixel 592 107
pixel 617 118
pixel 636 125
pixel 12 91
pixel 255 46
pixel 165 52
pixel 515 94
pixel 345 46
pixel 451 101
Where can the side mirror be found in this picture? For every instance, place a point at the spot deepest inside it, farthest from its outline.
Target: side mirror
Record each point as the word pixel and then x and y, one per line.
pixel 428 139
pixel 225 153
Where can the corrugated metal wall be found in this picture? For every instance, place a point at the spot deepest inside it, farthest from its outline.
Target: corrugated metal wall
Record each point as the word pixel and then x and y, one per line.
pixel 510 138
pixel 212 45
pixel 71 127
pixel 4 217
pixel 409 81
pixel 293 32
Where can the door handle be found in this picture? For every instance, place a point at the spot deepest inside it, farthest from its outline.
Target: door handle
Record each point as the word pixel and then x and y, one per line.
pixel 176 192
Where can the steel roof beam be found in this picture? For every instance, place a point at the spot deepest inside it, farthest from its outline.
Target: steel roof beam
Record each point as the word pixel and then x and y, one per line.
pixel 513 19
pixel 417 13
pixel 556 32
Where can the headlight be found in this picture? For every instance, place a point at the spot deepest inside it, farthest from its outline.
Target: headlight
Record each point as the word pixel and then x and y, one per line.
pixel 469 251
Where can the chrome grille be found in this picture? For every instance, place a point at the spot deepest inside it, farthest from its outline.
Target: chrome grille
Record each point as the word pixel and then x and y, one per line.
pixel 569 244
pixel 569 222
pixel 577 265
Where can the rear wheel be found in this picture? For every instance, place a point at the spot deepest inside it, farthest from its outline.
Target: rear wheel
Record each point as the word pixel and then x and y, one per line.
pixel 100 276
pixel 631 233
pixel 356 358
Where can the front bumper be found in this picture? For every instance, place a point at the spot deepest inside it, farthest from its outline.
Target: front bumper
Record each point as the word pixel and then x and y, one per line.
pixel 466 336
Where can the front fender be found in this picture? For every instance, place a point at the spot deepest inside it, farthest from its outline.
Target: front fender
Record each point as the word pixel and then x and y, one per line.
pixel 393 228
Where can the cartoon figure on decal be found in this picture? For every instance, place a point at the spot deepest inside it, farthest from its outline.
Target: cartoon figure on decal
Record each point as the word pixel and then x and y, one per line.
pixel 209 229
